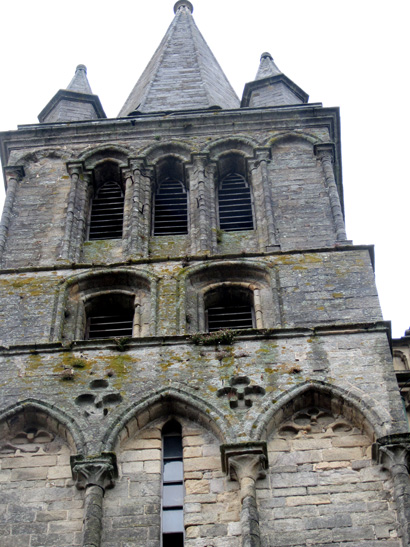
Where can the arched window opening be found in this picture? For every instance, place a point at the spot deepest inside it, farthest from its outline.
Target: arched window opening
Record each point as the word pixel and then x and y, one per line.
pixel 107 207
pixel 229 308
pixel 234 195
pixel 110 316
pixel 171 199
pixel 172 486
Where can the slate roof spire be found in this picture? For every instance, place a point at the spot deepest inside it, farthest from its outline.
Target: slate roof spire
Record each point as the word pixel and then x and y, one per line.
pixel 76 103
pixel 183 74
pixel 271 87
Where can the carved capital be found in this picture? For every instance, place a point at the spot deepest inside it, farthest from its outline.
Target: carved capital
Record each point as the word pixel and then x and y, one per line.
pixel 325 151
pixel 392 451
pixel 75 168
pixel 99 471
pixel 245 460
pixel 14 172
pixel 263 154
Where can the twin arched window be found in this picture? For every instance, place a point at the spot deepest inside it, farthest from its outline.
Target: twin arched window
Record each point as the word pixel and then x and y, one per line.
pixel 170 200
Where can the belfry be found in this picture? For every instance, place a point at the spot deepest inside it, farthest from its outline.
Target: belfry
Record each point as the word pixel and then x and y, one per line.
pixel 192 351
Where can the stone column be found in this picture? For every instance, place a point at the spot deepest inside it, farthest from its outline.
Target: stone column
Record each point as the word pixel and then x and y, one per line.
pixel 246 462
pixel 128 234
pixel 264 209
pixel 14 174
pixel 200 204
pixel 94 475
pixel 326 155
pixel 141 208
pixel 393 453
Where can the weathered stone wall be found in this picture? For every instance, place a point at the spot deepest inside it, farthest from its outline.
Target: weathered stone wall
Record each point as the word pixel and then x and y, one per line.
pixel 322 486
pixel 133 507
pixel 39 502
pixel 321 288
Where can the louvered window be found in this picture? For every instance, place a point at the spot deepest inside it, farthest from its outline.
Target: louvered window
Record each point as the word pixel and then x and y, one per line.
pixel 229 308
pixel 110 316
pixel 170 208
pixel 172 486
pixel 235 204
pixel 107 213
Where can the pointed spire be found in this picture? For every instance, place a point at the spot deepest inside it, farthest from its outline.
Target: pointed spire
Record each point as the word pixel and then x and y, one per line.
pixel 183 74
pixel 80 82
pixel 267 67
pixel 271 87
pixel 76 103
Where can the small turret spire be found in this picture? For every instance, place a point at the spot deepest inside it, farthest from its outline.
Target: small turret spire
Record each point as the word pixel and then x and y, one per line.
pixel 76 103
pixel 267 67
pixel 80 82
pixel 271 87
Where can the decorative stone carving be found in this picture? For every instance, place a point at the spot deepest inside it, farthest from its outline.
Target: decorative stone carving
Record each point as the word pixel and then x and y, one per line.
pixel 100 471
pixel 240 393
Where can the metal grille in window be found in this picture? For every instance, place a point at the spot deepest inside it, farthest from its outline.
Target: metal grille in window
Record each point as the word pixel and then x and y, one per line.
pixel 235 204
pixel 107 212
pixel 170 209
pixel 232 310
pixel 110 317
pixel 172 486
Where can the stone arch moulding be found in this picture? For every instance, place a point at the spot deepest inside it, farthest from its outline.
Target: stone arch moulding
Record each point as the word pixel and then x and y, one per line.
pixel 36 155
pixel 161 403
pixel 374 418
pixel 56 420
pixel 234 144
pixel 73 292
pixel 95 155
pixel 195 281
pixel 300 135
pixel 178 149
pixel 397 354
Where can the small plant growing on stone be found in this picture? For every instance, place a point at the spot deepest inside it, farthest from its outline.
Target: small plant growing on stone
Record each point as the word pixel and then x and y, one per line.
pixel 67 375
pixel 225 336
pixel 122 344
pixel 78 363
pixel 219 235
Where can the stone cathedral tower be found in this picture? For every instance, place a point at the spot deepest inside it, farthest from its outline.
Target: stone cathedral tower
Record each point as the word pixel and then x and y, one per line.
pixel 192 351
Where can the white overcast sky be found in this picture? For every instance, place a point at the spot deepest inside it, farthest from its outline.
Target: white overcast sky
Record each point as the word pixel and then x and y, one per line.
pixel 348 53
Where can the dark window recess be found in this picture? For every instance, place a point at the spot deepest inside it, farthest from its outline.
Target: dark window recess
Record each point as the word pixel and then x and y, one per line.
pixel 107 213
pixel 110 317
pixel 170 209
pixel 172 486
pixel 230 310
pixel 235 204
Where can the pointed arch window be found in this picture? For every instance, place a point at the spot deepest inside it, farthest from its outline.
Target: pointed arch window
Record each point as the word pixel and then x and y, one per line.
pixel 234 195
pixel 171 200
pixel 172 486
pixel 107 206
pixel 229 307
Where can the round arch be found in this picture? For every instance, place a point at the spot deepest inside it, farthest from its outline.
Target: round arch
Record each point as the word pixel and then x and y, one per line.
pixel 291 135
pixel 107 152
pixel 177 149
pixel 235 144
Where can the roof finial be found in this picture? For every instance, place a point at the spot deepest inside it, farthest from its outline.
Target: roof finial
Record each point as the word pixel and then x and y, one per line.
pixel 183 4
pixel 266 55
pixel 81 67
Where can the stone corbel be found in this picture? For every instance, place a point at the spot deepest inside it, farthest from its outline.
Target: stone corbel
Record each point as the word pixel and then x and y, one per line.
pixel 14 174
pixel 393 452
pixel 325 152
pixel 100 471
pixel 246 463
